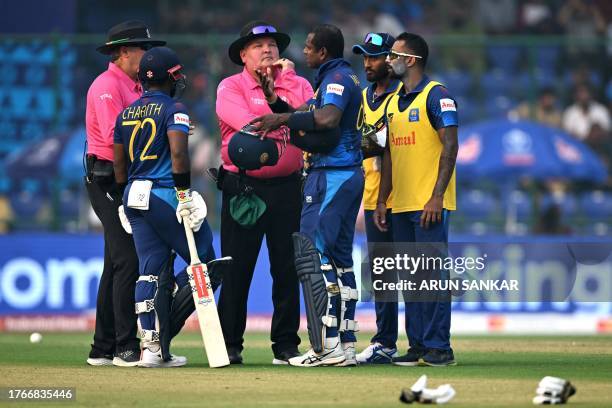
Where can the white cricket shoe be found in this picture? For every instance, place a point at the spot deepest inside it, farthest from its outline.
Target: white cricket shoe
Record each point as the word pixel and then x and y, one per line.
pixel 100 361
pixel 349 354
pixel 376 353
pixel 150 359
pixel 332 354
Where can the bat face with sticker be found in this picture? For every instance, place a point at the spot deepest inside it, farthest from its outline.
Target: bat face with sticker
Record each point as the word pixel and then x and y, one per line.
pixel 206 308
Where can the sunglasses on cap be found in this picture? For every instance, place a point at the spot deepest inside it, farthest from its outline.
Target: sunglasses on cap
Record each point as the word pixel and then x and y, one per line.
pixel 175 73
pixel 396 54
pixel 263 29
pixel 375 39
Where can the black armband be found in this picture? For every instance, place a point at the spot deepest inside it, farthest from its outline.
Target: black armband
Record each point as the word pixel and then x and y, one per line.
pixel 279 106
pixel 302 121
pixel 182 181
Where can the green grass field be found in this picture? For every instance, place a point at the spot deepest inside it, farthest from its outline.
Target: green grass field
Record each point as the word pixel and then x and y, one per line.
pixel 492 371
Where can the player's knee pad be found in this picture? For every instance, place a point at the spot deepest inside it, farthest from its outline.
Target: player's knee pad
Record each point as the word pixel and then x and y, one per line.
pixel 348 299
pixel 146 288
pixel 319 294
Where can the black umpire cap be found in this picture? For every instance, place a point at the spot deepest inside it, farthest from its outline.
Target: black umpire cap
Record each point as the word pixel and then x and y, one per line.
pixel 375 44
pixel 253 30
pixel 248 152
pixel 128 33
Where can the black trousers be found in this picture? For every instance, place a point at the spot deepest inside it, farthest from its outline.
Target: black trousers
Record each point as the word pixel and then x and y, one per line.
pixel 116 328
pixel 281 219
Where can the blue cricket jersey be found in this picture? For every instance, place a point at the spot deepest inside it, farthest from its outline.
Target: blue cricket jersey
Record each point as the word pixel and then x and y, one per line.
pixel 142 128
pixel 336 84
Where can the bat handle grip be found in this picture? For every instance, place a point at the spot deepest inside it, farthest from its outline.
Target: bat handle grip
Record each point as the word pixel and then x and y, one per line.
pixel 193 249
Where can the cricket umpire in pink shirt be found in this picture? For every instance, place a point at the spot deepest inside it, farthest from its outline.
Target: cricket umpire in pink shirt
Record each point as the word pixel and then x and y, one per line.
pixel 240 99
pixel 115 337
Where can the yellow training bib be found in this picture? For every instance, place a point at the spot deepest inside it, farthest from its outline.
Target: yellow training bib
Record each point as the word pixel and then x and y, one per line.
pixel 371 166
pixel 415 155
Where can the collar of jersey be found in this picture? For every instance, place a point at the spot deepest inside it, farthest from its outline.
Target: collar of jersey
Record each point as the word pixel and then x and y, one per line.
pixel 390 89
pixel 421 85
pixel 328 67
pixel 155 93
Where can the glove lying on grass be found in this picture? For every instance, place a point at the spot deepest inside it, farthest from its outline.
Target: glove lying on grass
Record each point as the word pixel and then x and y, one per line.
pixel 553 391
pixel 419 393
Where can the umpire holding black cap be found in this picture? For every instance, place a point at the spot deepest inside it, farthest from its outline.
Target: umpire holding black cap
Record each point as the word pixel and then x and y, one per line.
pixel 115 341
pixel 261 185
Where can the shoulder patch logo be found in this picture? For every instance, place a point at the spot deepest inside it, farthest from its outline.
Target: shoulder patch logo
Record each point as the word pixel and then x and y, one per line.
pixel 181 119
pixel 335 89
pixel 447 104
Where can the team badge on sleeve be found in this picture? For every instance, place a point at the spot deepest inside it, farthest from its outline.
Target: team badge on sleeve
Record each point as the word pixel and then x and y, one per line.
pixel 181 119
pixel 335 89
pixel 447 104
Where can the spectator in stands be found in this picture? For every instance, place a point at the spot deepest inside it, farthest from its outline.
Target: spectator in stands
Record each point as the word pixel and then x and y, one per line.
pixel 6 214
pixel 551 222
pixel 538 17
pixel 545 110
pixel 580 118
pixel 580 19
pixel 457 18
pixel 497 17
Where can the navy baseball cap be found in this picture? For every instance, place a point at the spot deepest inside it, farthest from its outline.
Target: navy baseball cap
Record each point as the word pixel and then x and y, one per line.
pixel 375 44
pixel 158 64
pixel 247 151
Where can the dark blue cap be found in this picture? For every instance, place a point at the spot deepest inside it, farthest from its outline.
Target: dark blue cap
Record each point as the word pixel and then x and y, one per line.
pixel 158 64
pixel 375 44
pixel 248 152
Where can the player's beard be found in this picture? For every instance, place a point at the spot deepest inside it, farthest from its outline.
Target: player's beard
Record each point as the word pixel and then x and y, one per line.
pixel 397 71
pixel 377 75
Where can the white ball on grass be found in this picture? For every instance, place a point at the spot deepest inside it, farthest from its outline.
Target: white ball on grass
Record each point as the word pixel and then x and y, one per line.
pixel 35 337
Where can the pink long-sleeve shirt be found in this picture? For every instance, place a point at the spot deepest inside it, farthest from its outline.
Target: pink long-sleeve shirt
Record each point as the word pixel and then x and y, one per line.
pixel 240 99
pixel 110 93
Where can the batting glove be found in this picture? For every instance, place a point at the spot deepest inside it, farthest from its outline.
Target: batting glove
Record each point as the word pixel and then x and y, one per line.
pixel 192 205
pixel 125 223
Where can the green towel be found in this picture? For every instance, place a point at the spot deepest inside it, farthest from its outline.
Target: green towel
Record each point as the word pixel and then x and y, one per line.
pixel 246 209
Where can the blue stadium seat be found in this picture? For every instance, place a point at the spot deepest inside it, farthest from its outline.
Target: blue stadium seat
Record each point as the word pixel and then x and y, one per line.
pixel 69 201
pixel 466 110
pixel 504 57
pixel 496 83
pixel 498 106
pixel 477 203
pixel 8 74
pixel 45 103
pixel 46 55
pixel 547 57
pixel 27 201
pixel 459 83
pixel 477 212
pixel 20 102
pixel 544 78
pixel 35 75
pixel 597 205
pixel 521 203
pixel 23 54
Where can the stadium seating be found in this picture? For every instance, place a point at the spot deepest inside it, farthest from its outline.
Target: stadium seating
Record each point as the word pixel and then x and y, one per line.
pixel 504 57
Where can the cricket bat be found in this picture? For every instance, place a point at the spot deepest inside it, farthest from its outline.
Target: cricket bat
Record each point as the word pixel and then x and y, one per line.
pixel 205 305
